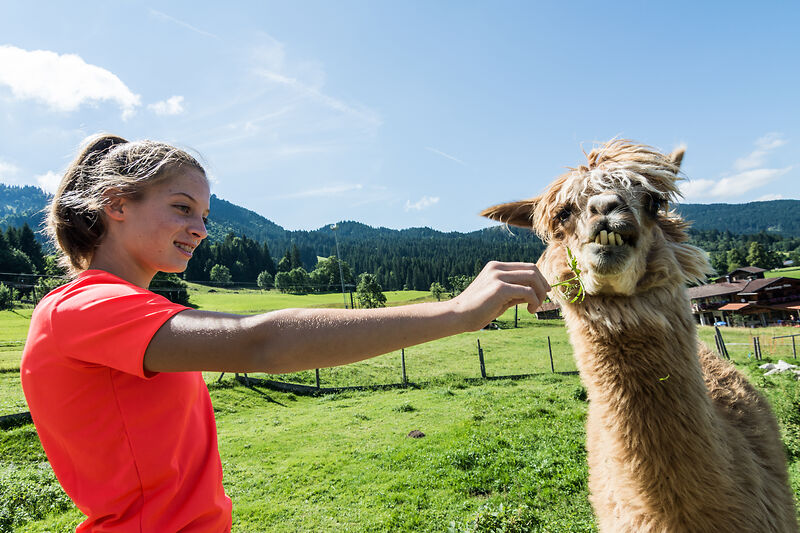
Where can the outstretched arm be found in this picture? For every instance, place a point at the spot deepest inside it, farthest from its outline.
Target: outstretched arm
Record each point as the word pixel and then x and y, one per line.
pixel 299 339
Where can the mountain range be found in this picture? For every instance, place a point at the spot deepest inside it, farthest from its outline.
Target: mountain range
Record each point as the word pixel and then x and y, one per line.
pixel 20 205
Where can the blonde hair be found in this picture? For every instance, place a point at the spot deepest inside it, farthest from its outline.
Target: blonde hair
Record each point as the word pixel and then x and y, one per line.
pixel 107 167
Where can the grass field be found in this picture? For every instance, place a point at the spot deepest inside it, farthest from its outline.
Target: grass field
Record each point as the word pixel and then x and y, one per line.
pixel 496 454
pixel 788 272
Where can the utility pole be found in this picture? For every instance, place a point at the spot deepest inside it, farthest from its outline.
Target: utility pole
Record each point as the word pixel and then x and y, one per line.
pixel 334 227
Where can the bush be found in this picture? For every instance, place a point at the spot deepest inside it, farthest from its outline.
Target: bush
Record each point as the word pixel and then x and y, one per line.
pixel 47 284
pixel 437 290
pixel 369 292
pixel 170 286
pixel 265 280
pixel 220 274
pixel 7 297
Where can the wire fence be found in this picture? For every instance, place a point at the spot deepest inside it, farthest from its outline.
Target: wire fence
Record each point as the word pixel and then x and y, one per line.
pixel 745 347
pixel 422 365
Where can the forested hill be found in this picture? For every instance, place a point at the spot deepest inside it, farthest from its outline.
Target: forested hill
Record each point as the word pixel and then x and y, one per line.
pixel 773 216
pixel 20 205
pixel 411 257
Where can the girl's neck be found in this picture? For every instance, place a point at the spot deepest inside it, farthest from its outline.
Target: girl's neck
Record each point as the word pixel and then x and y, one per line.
pixel 106 260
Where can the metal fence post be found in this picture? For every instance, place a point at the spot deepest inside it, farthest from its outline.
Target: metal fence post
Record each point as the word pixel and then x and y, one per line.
pixel 480 358
pixel 403 361
pixel 550 349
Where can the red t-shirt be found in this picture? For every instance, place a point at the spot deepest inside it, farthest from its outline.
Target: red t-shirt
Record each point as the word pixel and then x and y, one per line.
pixel 135 451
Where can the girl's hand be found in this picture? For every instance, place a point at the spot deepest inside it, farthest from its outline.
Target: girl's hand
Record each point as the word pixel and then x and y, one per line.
pixel 498 287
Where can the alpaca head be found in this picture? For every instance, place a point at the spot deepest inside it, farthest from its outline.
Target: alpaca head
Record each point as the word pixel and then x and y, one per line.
pixel 613 214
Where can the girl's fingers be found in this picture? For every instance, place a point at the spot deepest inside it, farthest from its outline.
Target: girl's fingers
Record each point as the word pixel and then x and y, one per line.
pixel 527 278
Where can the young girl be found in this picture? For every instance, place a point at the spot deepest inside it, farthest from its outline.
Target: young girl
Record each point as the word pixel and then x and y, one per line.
pixel 111 371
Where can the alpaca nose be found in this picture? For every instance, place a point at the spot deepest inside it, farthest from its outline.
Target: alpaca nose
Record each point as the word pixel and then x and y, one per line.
pixel 603 204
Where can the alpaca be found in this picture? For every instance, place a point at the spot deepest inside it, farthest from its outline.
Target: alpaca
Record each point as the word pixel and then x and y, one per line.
pixel 677 439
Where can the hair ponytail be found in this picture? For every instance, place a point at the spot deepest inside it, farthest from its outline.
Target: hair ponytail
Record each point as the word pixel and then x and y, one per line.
pixel 106 166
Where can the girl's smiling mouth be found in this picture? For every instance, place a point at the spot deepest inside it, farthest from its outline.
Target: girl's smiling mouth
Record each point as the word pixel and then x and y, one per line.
pixel 187 249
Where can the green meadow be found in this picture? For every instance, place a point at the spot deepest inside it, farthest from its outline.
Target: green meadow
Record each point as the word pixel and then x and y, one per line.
pixel 788 272
pixel 497 455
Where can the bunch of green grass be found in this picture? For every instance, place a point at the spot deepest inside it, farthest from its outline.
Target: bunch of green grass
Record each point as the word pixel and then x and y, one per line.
pixel 573 287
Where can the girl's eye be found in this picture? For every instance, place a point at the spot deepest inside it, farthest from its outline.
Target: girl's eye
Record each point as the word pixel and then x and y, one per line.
pixel 184 208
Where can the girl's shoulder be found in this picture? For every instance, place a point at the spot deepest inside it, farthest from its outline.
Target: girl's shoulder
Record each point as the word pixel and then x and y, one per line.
pixel 92 288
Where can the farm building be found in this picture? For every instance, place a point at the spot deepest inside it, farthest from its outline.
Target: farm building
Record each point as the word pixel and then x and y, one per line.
pixel 548 310
pixel 744 297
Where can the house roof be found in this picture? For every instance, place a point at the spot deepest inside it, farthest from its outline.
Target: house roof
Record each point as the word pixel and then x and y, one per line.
pixel 755 285
pixel 548 306
pixel 734 306
pixel 744 287
pixel 717 289
pixel 790 306
pixel 749 270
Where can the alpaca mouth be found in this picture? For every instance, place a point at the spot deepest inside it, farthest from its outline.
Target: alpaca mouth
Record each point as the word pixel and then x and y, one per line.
pixel 605 236
pixel 609 251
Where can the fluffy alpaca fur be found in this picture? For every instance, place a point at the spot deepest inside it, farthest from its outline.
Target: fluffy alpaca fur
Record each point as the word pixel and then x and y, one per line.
pixel 677 439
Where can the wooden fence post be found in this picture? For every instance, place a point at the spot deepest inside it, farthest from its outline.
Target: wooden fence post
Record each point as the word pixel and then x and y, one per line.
pixel 480 358
pixel 757 348
pixel 403 361
pixel 794 348
pixel 317 372
pixel 550 349
pixel 723 350
pixel 516 315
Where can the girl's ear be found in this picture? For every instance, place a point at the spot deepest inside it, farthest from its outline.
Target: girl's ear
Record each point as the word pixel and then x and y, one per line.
pixel 513 213
pixel 115 208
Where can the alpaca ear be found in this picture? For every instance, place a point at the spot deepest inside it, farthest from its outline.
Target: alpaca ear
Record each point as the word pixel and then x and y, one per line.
pixel 677 156
pixel 513 213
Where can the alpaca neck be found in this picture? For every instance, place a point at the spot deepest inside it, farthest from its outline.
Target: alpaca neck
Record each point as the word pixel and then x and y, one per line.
pixel 647 398
pixel 643 337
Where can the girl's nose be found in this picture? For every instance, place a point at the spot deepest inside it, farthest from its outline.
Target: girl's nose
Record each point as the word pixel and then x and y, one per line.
pixel 198 230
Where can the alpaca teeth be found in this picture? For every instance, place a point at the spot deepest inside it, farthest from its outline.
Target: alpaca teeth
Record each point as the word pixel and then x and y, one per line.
pixel 603 237
pixel 619 240
pixel 597 239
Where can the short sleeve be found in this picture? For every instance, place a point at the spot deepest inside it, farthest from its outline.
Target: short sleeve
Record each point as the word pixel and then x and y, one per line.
pixel 111 324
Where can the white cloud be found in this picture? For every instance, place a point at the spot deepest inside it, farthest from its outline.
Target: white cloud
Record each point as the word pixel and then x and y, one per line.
pixel 314 94
pixel 730 186
pixel 63 82
pixel 422 203
pixel 448 156
pixel 768 197
pixel 749 173
pixel 166 18
pixel 303 79
pixel 324 191
pixel 49 181
pixel 7 171
pixel 171 106
pixel 757 157
pixel 693 190
pixel 746 181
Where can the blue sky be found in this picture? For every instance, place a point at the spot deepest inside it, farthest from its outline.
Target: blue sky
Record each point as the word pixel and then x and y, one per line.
pixel 405 114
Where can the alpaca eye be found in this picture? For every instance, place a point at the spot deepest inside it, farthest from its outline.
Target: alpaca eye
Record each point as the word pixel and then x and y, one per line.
pixel 654 204
pixel 564 215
